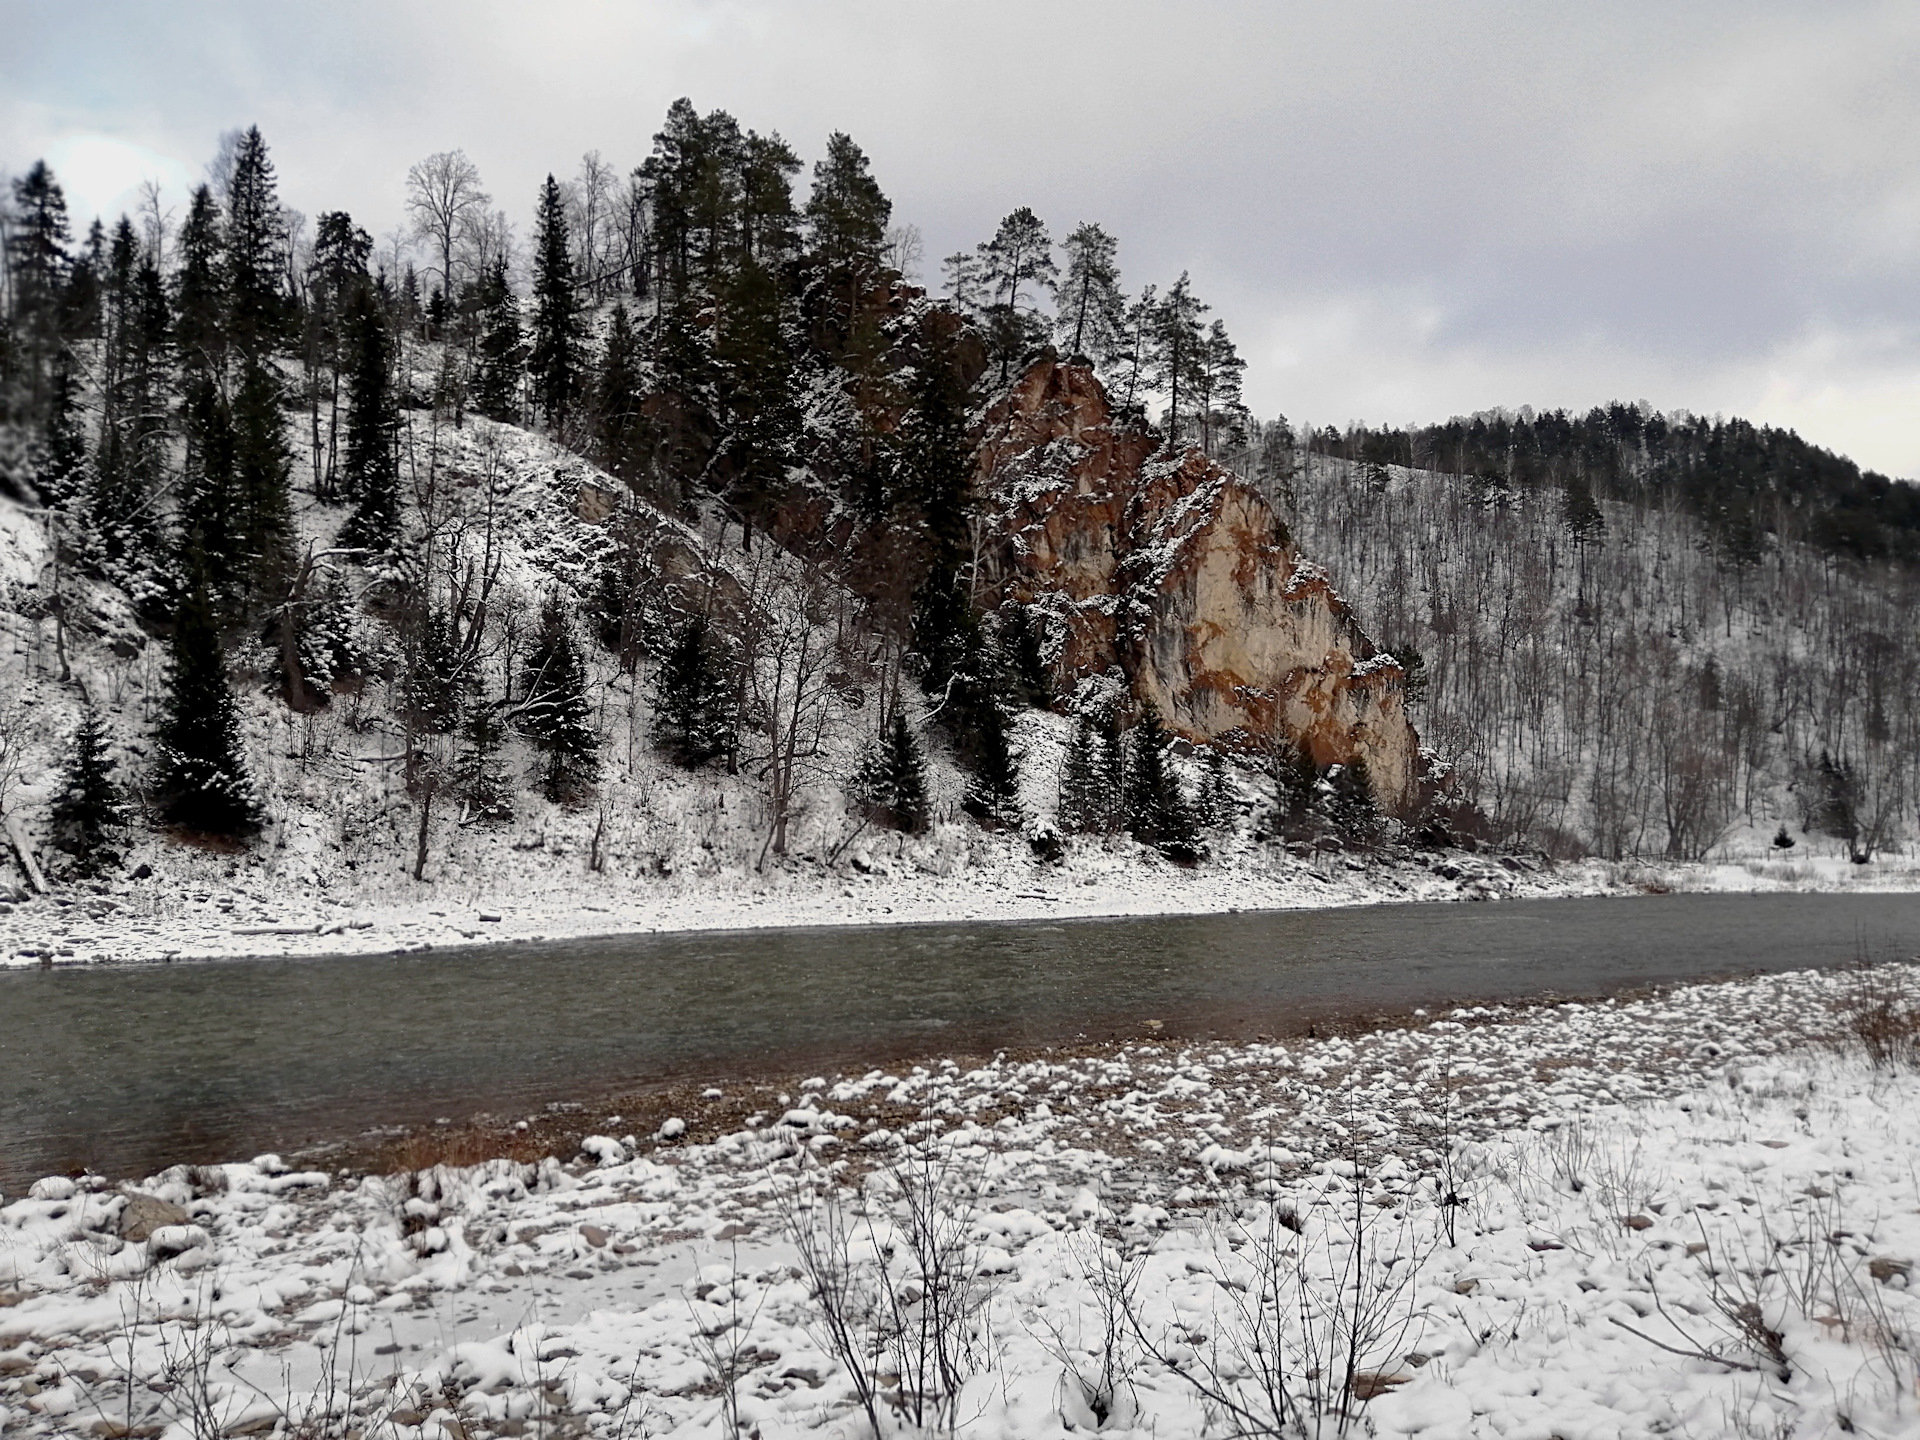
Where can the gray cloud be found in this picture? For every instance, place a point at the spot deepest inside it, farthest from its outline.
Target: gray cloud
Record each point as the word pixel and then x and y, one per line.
pixel 1403 210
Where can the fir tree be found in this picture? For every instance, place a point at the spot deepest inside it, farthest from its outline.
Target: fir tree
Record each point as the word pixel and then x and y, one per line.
pixel 88 810
pixel 1111 769
pixel 430 688
pixel 1216 804
pixel 1351 805
pixel 555 358
pixel 37 259
pixel 200 293
pixel 893 780
pixel 202 779
pixel 555 714
pixel 263 476
pixel 1157 809
pixel 693 708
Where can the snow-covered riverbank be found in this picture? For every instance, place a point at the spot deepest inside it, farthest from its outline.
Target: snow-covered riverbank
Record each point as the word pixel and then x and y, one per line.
pixel 205 905
pixel 1692 1213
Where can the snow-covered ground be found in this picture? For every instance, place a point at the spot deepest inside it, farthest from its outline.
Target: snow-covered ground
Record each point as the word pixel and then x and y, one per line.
pixel 1695 1213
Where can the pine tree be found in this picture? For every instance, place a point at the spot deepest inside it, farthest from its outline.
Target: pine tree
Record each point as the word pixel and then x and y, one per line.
pixel 693 708
pixel 1217 372
pixel 846 219
pixel 89 809
pixel 1093 313
pixel 1216 807
pixel 555 714
pixel 761 411
pixel 202 779
pixel 372 469
pixel 200 294
pixel 555 359
pixel 1582 514
pixel 496 389
pixel 1157 809
pixel 263 475
pixel 1176 344
pixel 1018 259
pixel 893 781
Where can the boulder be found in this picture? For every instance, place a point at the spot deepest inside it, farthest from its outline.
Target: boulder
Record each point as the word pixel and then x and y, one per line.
pixel 144 1214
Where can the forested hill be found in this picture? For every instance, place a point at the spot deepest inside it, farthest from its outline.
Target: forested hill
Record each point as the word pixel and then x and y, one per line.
pixel 1747 483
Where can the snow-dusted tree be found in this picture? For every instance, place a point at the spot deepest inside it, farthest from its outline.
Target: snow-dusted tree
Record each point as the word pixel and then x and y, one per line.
pixel 496 386
pixel 1351 805
pixel 555 356
pixel 1220 411
pixel 846 220
pixel 372 469
pixel 259 309
pixel 88 811
pixel 1158 813
pixel 1092 318
pixel 1176 343
pixel 694 697
pixel 37 234
pixel 1296 788
pixel 481 783
pixel 555 713
pixel 622 436
pixel 201 782
pixel 1083 806
pixel 443 197
pixel 892 783
pixel 1014 270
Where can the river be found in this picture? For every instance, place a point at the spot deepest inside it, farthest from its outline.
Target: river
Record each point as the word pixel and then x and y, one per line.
pixel 127 1069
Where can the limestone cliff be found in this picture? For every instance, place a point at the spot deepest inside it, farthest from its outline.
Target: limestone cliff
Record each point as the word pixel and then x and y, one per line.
pixel 1170 569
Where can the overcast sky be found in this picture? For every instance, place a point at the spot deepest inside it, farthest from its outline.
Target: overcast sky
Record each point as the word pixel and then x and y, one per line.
pixel 1402 211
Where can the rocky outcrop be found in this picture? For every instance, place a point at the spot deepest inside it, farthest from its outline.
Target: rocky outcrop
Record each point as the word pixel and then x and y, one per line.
pixel 1171 571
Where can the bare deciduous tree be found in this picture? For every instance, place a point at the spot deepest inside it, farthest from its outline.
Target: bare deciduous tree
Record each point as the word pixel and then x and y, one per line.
pixel 443 194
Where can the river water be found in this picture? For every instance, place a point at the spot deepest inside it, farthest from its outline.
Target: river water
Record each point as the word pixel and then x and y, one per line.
pixel 128 1069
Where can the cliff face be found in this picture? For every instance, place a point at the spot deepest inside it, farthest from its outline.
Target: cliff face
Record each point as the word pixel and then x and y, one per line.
pixel 1172 570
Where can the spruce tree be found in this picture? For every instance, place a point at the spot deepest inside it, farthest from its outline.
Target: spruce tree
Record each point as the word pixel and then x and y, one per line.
pixel 88 810
pixel 1082 806
pixel 693 708
pixel 622 437
pixel 1157 810
pixel 555 713
pixel 1110 760
pixel 263 477
pixel 372 469
pixel 893 780
pixel 1216 805
pixel 202 780
pixel 38 261
pixel 555 358
pixel 200 294
pixel 1296 789
pixel 1020 638
pixel 258 307
pixel 496 387
pixel 485 795
pixel 1352 807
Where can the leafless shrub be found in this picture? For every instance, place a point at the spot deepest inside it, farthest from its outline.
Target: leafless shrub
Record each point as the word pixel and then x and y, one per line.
pixel 721 1337
pixel 899 1295
pixel 1100 1358
pixel 1308 1316
pixel 1879 1009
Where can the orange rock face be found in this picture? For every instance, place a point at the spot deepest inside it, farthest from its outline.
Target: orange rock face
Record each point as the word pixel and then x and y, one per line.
pixel 1171 570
